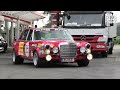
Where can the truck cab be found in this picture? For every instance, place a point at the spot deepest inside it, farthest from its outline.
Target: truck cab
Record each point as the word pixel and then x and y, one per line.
pixel 96 27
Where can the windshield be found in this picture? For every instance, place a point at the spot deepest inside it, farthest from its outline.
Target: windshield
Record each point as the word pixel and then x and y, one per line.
pixel 84 20
pixel 52 35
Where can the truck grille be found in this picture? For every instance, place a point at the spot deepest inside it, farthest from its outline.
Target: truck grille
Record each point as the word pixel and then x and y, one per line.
pixel 68 51
pixel 88 38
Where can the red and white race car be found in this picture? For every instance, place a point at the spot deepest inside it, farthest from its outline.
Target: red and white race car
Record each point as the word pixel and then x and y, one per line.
pixel 42 45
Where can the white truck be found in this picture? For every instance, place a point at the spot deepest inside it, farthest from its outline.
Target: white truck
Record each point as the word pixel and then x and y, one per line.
pixel 96 27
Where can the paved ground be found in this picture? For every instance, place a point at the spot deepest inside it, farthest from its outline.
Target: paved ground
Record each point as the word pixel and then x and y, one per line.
pixel 99 68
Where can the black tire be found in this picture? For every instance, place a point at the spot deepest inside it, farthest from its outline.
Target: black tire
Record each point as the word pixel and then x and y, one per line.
pixel 104 54
pixel 83 63
pixel 36 60
pixel 5 49
pixel 110 51
pixel 17 59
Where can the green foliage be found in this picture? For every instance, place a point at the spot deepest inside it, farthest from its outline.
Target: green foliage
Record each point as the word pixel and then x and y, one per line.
pixel 118 29
pixel 117 40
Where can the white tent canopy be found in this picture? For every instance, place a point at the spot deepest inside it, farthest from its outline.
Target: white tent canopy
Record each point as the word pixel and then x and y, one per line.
pixel 24 15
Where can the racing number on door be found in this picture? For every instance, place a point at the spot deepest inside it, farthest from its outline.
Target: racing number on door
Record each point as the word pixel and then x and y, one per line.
pixel 21 48
pixel 27 49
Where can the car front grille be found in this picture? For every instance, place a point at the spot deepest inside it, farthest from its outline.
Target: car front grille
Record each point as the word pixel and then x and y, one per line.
pixel 68 51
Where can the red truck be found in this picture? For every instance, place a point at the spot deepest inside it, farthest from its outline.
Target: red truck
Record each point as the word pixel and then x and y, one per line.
pixel 42 45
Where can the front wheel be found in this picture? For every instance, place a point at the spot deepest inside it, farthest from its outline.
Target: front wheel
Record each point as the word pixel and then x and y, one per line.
pixel 36 60
pixel 83 63
pixel 17 59
pixel 104 54
pixel 110 51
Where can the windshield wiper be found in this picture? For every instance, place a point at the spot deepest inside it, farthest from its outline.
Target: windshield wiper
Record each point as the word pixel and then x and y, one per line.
pixel 52 38
pixel 85 25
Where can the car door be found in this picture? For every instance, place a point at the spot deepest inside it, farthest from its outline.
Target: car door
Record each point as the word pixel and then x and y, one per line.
pixel 28 45
pixel 21 43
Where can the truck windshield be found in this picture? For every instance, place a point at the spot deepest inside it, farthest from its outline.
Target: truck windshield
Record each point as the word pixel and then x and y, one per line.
pixel 85 20
pixel 52 35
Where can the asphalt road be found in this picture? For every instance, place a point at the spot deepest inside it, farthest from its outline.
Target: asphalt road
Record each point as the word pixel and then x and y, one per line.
pixel 99 68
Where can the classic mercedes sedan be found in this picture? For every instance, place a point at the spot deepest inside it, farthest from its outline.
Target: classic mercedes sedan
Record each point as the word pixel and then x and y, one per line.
pixel 43 45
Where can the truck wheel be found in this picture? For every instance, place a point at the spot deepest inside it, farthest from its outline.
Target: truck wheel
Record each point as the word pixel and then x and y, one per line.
pixel 83 63
pixel 104 54
pixel 110 51
pixel 17 59
pixel 36 59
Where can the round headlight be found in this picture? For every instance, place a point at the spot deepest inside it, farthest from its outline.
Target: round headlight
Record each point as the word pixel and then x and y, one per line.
pixel 47 51
pixel 88 45
pixel 55 50
pixel 82 49
pixel 89 56
pixel 47 46
pixel 48 58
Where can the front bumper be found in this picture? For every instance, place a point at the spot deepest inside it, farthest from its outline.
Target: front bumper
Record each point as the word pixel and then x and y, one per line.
pixel 56 58
pixel 98 47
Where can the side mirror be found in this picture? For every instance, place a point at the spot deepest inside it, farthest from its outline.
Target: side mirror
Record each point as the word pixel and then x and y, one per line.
pixel 111 24
pixel 68 17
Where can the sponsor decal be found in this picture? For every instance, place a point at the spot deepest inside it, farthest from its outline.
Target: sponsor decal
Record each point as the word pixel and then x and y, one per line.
pixel 100 46
pixel 31 53
pixel 34 45
pixel 21 48
pixel 41 51
pixel 27 49
pixel 42 46
pixel 39 45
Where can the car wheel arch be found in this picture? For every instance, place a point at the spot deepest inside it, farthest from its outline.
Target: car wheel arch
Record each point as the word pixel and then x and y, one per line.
pixel 34 51
pixel 14 50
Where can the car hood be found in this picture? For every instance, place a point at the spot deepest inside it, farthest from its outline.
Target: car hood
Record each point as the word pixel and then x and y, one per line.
pixel 56 43
pixel 81 43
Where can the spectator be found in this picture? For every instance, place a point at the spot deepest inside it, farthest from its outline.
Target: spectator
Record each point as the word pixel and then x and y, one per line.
pixel 35 26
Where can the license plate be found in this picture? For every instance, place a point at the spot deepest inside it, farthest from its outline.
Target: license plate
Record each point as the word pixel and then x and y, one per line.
pixel 68 60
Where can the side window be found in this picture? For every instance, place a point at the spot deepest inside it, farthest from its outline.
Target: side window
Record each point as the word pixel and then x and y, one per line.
pixel 30 35
pixel 37 35
pixel 24 35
